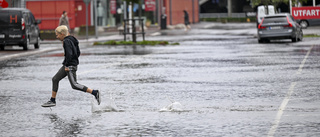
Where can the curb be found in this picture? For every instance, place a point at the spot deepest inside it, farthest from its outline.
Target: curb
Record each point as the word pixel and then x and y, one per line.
pixel 17 55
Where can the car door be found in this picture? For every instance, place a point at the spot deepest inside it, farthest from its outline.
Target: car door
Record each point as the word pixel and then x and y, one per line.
pixel 298 27
pixel 34 30
pixel 315 22
pixel 4 22
pixel 27 23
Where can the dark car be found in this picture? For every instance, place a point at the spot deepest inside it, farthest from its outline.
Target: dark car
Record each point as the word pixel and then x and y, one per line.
pixel 279 26
pixel 304 23
pixel 18 27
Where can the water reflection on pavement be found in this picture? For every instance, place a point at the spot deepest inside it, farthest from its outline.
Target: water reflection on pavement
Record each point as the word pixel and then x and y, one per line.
pixel 224 86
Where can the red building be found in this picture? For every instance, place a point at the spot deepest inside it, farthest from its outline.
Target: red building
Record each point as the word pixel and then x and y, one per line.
pixel 50 11
pixel 174 11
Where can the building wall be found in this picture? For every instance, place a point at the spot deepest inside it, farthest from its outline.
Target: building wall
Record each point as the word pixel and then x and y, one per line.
pixel 49 12
pixel 175 14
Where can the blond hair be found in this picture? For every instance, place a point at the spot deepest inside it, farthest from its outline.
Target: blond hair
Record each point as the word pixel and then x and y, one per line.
pixel 63 29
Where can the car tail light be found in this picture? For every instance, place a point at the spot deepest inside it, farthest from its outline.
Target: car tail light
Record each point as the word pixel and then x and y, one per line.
pixel 23 36
pixel 260 27
pixel 290 24
pixel 23 25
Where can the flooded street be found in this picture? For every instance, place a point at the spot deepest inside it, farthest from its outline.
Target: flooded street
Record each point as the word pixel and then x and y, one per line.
pixel 209 85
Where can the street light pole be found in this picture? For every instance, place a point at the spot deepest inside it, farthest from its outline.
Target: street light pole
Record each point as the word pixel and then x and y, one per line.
pixel 229 8
pixel 290 4
pixel 87 21
pixel 95 18
pixel 87 3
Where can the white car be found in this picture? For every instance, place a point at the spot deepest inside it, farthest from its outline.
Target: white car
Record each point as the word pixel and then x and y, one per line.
pixel 261 12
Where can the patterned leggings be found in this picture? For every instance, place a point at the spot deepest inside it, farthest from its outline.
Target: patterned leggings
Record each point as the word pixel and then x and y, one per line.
pixel 72 76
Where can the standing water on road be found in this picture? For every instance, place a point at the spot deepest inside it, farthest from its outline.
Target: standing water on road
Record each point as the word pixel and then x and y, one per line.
pixel 206 86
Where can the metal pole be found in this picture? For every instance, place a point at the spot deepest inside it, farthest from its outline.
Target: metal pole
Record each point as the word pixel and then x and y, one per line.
pixel 95 18
pixel 142 25
pixel 193 21
pixel 140 9
pixel 125 19
pixel 130 16
pixel 87 21
pixel 124 10
pixel 314 3
pixel 229 8
pixel 290 4
pixel 125 29
pixel 140 12
pixel 170 6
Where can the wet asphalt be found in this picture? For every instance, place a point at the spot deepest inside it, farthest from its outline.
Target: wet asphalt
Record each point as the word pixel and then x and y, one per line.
pixel 224 85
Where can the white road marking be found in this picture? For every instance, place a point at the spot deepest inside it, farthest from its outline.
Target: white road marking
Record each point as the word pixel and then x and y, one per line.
pixel 287 98
pixel 304 61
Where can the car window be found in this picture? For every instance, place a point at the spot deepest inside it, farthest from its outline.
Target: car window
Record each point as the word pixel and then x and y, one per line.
pixel 32 18
pixel 290 17
pixel 275 20
pixel 26 18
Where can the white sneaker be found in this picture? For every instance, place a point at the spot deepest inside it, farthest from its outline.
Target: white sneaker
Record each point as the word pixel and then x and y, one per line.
pixel 49 104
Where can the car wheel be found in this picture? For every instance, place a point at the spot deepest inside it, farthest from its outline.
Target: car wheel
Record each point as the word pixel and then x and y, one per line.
pixel 260 40
pixel 37 45
pixel 301 36
pixel 1 47
pixel 304 24
pixel 295 39
pixel 267 40
pixel 26 45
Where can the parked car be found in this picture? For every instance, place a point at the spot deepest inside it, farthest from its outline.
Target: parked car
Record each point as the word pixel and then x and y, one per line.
pixel 304 23
pixel 279 26
pixel 262 12
pixel 18 27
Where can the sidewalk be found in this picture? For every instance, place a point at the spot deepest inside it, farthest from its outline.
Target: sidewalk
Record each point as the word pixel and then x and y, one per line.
pixel 216 27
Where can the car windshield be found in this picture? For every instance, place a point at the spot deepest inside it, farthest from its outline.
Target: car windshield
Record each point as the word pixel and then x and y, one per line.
pixel 270 20
pixel 3 18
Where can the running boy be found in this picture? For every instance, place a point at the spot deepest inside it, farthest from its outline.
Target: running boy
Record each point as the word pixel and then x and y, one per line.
pixel 69 68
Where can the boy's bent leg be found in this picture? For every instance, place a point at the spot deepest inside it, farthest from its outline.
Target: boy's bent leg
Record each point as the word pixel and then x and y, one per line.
pixel 72 76
pixel 57 77
pixel 55 85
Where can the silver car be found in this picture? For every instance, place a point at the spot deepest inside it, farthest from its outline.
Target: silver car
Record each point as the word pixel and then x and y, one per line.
pixel 279 26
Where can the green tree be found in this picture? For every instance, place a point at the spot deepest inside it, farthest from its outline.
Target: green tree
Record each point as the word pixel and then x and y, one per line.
pixel 274 2
pixel 134 1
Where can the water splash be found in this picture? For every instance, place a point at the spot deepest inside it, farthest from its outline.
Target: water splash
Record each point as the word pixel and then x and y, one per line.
pixel 173 107
pixel 107 105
